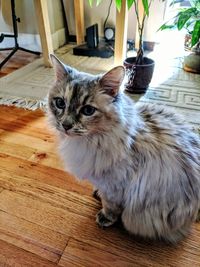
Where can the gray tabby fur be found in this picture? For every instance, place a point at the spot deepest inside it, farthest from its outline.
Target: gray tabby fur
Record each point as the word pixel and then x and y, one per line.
pixel 143 158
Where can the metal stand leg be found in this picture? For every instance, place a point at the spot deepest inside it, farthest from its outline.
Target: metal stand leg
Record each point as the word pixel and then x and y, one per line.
pixel 14 49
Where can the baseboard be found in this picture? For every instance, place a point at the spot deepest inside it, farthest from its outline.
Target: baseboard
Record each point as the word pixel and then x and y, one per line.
pixel 29 41
pixel 32 41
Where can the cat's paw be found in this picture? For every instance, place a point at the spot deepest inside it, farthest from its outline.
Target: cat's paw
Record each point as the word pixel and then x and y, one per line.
pixel 103 221
pixel 95 195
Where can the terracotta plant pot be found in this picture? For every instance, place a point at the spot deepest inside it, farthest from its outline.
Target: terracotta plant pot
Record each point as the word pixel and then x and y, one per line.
pixel 139 76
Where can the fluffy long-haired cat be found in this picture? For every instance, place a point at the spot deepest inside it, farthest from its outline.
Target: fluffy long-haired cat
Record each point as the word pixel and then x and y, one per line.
pixel 143 159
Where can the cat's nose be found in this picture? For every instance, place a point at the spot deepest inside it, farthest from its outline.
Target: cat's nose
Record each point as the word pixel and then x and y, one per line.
pixel 67 126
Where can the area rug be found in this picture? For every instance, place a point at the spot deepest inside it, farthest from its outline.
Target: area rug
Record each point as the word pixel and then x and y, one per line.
pixel 28 86
pixel 171 86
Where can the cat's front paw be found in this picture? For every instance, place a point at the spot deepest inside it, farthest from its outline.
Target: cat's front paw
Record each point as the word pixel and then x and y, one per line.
pixel 103 221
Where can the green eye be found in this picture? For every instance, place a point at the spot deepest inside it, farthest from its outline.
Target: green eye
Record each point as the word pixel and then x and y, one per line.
pixel 60 103
pixel 88 110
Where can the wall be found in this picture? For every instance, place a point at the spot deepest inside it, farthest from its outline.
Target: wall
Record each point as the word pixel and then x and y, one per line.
pixel 98 15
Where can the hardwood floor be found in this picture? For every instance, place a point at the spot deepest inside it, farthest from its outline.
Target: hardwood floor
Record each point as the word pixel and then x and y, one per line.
pixel 47 218
pixel 17 61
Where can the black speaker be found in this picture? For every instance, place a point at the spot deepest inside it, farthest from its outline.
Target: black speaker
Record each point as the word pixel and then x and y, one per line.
pixel 92 36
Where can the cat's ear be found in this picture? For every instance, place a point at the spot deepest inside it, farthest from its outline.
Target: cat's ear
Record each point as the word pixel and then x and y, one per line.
pixel 61 70
pixel 111 81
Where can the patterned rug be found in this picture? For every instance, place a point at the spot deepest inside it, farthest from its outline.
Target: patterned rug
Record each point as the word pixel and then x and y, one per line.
pixel 178 89
pixel 171 86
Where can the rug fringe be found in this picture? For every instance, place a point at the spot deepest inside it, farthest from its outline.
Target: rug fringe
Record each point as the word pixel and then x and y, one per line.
pixel 22 102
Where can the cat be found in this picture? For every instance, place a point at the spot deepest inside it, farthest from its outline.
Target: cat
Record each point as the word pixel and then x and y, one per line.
pixel 143 158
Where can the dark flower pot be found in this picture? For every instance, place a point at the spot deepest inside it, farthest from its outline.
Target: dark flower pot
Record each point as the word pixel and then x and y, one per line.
pixel 139 76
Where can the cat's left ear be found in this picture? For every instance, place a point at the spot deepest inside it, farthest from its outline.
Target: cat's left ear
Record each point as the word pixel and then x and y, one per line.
pixel 112 80
pixel 61 70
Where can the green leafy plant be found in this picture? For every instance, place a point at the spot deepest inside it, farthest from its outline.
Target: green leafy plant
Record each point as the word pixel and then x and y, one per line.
pixel 187 18
pixel 140 20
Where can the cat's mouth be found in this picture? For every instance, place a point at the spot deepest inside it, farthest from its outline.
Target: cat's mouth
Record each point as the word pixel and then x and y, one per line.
pixel 74 133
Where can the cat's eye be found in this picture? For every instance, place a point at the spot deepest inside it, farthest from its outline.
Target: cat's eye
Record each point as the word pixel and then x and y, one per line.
pixel 88 110
pixel 60 103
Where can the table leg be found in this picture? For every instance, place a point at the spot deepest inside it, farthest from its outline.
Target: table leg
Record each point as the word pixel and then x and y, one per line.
pixel 121 34
pixel 44 30
pixel 79 21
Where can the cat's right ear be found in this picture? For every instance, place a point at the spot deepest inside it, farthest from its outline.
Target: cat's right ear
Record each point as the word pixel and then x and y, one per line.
pixel 61 71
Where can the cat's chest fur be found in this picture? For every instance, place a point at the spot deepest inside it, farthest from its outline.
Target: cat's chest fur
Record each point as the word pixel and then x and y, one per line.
pixel 92 158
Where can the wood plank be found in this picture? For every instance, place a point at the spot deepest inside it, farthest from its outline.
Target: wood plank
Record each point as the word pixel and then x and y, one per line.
pixel 17 61
pixel 79 21
pixel 44 174
pixel 45 214
pixel 75 202
pixel 13 112
pixel 11 255
pixel 40 144
pixel 39 156
pixel 19 151
pixel 121 34
pixel 20 126
pixel 42 16
pixel 47 159
pixel 129 251
pixel 78 253
pixel 38 202
pixel 113 240
pixel 31 237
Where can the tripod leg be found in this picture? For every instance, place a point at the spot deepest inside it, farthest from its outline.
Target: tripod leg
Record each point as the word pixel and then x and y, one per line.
pixel 8 57
pixel 29 51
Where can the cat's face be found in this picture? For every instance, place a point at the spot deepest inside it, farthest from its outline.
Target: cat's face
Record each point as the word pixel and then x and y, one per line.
pixel 83 104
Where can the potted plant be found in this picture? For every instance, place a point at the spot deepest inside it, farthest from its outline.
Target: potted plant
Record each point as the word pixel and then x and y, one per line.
pixel 139 69
pixel 188 18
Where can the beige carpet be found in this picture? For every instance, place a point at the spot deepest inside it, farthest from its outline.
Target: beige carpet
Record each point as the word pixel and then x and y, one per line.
pixel 28 86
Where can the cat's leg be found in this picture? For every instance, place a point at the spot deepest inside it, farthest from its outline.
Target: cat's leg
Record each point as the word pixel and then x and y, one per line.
pixel 109 214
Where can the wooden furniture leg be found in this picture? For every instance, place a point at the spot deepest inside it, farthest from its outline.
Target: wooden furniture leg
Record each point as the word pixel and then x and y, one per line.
pixel 44 30
pixel 121 34
pixel 79 21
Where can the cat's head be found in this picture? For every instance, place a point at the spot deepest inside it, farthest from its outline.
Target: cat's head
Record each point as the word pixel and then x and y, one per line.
pixel 84 104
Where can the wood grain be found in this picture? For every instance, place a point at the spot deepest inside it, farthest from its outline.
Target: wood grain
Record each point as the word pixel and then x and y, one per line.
pixel 42 15
pixel 47 217
pixel 11 255
pixel 121 34
pixel 79 21
pixel 20 59
pixel 32 237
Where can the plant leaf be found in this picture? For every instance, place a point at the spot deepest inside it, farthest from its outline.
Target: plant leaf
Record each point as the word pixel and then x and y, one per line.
pixel 130 2
pixel 146 6
pixel 98 2
pixel 90 2
pixel 118 4
pixel 166 27
pixel 196 33
pixel 184 17
pixel 175 2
